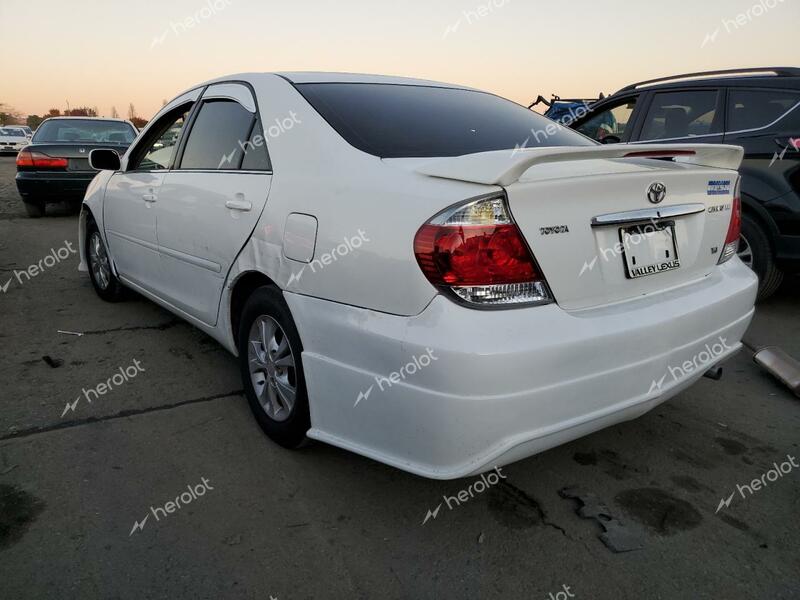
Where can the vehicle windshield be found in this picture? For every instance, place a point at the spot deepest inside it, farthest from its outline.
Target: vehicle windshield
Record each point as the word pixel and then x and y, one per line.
pixel 84 131
pixel 399 121
pixel 8 132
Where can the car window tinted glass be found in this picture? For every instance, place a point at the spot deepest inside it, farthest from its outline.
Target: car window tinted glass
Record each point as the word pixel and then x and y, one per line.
pixel 751 109
pixel 680 115
pixel 84 131
pixel 218 135
pixel 256 157
pixel 610 121
pixel 394 121
pixel 164 139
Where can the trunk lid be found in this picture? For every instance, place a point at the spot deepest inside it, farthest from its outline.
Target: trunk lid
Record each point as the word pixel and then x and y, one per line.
pixel 611 224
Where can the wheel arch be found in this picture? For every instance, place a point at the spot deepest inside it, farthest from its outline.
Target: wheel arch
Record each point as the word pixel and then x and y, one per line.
pixel 756 211
pixel 245 284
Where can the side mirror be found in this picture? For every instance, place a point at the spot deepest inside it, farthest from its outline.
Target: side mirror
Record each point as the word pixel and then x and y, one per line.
pixel 104 159
pixel 611 139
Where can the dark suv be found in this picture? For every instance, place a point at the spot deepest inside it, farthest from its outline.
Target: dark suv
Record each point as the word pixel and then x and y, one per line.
pixel 758 109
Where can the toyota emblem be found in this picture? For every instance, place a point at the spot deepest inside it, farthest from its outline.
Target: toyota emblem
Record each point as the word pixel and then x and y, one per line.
pixel 657 192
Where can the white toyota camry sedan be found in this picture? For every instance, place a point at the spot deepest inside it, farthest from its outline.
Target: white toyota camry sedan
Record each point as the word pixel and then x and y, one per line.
pixel 425 274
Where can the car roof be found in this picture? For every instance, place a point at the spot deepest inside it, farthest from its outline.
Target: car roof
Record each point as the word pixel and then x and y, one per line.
pixel 300 77
pixel 88 119
pixel 777 77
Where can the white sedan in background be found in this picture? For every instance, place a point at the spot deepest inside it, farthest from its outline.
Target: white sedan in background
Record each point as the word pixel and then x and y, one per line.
pixel 13 139
pixel 425 274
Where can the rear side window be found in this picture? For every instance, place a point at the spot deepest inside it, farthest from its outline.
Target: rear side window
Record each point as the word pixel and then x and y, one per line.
pixel 680 115
pixel 396 121
pixel 753 109
pixel 256 157
pixel 218 138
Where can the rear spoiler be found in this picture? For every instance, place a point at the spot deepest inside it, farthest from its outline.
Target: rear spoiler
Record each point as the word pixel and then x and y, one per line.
pixel 504 167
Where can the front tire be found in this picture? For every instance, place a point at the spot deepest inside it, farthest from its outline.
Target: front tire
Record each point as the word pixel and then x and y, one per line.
pixel 105 283
pixel 756 252
pixel 270 359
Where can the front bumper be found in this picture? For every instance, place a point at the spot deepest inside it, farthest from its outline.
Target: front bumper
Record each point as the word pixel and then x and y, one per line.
pixel 504 385
pixel 53 186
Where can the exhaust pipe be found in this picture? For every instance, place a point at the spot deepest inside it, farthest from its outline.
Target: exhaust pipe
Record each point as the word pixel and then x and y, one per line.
pixel 779 364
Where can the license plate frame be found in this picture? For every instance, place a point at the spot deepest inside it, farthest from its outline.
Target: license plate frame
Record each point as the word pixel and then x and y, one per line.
pixel 643 244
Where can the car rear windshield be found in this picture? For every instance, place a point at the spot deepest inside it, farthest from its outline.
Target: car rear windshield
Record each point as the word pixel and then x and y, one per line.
pixel 84 131
pixel 398 121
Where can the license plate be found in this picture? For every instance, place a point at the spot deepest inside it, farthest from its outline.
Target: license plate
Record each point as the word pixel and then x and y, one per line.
pixel 649 249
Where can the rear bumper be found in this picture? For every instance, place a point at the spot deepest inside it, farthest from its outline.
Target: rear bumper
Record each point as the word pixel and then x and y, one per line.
pixel 503 385
pixel 53 186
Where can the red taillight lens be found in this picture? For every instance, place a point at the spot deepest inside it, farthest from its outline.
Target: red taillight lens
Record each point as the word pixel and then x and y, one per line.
pixel 734 228
pixel 477 252
pixel 473 254
pixel 39 160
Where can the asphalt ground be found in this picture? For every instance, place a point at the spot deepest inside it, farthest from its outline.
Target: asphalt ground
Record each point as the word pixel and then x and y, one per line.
pixel 258 521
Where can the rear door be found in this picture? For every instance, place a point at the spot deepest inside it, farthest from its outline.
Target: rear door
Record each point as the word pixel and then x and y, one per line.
pixel 210 203
pixel 132 194
pixel 685 115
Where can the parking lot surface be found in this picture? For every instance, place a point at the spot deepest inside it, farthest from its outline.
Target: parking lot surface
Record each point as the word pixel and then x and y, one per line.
pixel 158 483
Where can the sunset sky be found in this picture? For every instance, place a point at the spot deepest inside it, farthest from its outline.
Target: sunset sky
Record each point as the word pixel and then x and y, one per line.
pixel 108 53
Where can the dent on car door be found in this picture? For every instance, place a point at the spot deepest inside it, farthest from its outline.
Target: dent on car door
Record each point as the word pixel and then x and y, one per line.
pixel 211 202
pixel 129 217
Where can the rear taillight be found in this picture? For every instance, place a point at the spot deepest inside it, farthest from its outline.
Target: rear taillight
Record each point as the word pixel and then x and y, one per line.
pixel 40 160
pixel 476 252
pixel 734 228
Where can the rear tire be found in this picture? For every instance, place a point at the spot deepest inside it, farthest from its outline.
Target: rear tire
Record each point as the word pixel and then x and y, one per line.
pixel 34 208
pixel 105 283
pixel 270 359
pixel 756 252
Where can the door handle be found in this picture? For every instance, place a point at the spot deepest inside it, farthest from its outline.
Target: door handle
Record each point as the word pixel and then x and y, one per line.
pixel 149 197
pixel 239 205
